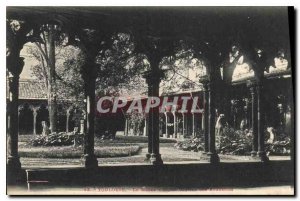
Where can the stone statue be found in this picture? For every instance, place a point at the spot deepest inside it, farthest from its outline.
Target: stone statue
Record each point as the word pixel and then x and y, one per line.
pixel 46 130
pixel 75 131
pixel 272 135
pixel 220 125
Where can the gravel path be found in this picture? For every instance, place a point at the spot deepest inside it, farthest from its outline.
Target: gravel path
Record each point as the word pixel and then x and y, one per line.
pixel 168 152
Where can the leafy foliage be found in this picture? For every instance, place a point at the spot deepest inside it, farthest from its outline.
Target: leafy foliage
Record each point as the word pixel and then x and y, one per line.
pixel 57 139
pixel 237 142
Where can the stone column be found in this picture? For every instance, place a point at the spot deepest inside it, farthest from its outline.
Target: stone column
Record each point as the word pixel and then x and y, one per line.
pixel 260 123
pixel 184 128
pixel 82 126
pixel 175 126
pixel 146 125
pixel 52 88
pixel 252 87
pixel 15 66
pixel 126 127
pixel 194 132
pixel 166 115
pixel 153 78
pixel 246 114
pixel 34 109
pixel 212 154
pixel 68 119
pixel 89 77
pixel 205 116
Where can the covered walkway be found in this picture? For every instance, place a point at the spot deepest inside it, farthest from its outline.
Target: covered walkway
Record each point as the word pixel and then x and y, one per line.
pixel 211 33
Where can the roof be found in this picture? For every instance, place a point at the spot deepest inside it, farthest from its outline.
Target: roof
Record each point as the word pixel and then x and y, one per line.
pixel 31 90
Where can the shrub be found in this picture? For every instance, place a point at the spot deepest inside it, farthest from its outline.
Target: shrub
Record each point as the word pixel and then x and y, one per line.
pixel 237 142
pixel 57 139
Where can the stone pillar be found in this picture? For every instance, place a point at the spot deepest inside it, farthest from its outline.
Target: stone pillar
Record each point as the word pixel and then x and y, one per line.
pixel 205 116
pixel 175 134
pixel 126 127
pixel 89 77
pixel 260 124
pixel 184 126
pixel 52 88
pixel 82 126
pixel 146 125
pixel 194 130
pixel 166 115
pixel 246 114
pixel 153 78
pixel 252 87
pixel 212 154
pixel 15 66
pixel 34 109
pixel 68 119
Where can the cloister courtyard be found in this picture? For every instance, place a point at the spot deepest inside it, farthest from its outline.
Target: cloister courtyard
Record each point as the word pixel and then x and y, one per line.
pixel 150 99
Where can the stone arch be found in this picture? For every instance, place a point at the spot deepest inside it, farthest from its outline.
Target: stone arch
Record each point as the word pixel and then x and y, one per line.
pixel 25 119
pixel 42 115
pixel 73 115
pixel 61 118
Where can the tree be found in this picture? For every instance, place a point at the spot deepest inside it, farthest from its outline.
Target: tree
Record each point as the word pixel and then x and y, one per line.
pixel 46 55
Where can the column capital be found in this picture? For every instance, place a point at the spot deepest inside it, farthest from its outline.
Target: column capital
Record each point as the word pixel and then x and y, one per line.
pixel 153 76
pixel 14 66
pixel 251 83
pixel 68 111
pixel 89 74
pixel 35 109
pixel 210 86
pixel 204 85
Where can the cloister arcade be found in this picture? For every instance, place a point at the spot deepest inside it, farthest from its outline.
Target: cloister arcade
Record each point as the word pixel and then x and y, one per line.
pixel 210 33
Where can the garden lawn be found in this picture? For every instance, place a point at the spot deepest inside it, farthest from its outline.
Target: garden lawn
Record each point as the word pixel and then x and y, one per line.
pixel 77 152
pixel 121 146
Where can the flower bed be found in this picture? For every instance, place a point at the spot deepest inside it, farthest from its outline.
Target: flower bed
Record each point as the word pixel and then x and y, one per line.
pixel 57 139
pixel 237 143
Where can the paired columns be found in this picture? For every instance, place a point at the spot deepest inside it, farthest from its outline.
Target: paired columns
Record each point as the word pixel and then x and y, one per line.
pixel 184 125
pixel 258 146
pixel 194 129
pixel 166 116
pixel 15 66
pixel 260 124
pixel 146 125
pixel 175 135
pixel 153 78
pixel 252 87
pixel 68 119
pixel 34 109
pixel 126 126
pixel 212 154
pixel 89 77
pixel 205 115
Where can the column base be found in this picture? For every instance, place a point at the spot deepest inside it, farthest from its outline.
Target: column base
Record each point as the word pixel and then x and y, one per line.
pixel 90 161
pixel 254 153
pixel 213 157
pixel 203 156
pixel 13 163
pixel 263 156
pixel 155 159
pixel 148 156
pixel 14 171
